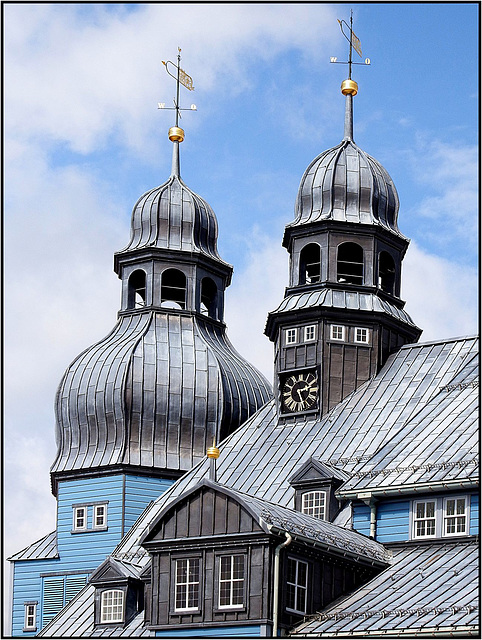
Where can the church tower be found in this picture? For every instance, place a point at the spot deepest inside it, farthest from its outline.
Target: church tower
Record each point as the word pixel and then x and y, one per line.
pixel 139 408
pixel 342 315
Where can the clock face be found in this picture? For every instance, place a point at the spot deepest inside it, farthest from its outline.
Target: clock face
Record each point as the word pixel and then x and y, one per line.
pixel 300 391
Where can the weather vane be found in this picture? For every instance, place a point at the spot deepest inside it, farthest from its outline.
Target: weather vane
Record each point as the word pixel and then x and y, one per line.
pixel 354 44
pixel 176 134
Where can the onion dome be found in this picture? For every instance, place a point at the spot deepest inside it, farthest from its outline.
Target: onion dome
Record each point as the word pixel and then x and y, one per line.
pixel 172 216
pixel 152 396
pixel 346 184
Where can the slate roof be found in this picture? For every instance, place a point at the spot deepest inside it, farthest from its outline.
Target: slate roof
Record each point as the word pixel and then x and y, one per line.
pixel 426 587
pixel 275 518
pixel 353 300
pixel 262 455
pixel 43 549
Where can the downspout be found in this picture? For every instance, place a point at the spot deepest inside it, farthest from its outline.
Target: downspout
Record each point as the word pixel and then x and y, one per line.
pixel 371 502
pixel 276 582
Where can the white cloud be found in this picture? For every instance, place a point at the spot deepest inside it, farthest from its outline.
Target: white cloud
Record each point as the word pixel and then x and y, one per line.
pixel 441 295
pixel 81 81
pixel 448 174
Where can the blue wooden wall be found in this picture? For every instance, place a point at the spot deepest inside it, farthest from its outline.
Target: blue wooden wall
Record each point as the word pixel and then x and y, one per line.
pixel 474 515
pixel 240 631
pixel 81 553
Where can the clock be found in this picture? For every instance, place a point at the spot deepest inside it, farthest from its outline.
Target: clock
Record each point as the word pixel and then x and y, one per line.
pixel 300 391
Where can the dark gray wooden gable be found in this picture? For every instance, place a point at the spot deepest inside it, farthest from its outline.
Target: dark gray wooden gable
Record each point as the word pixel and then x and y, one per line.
pixel 108 571
pixel 205 511
pixel 315 471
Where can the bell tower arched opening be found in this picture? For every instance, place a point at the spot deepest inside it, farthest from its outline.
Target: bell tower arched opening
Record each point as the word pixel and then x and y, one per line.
pixel 173 289
pixel 386 272
pixel 208 297
pixel 310 264
pixel 136 296
pixel 349 264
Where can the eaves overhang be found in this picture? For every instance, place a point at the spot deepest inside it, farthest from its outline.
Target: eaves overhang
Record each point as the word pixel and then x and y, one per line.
pixel 406 489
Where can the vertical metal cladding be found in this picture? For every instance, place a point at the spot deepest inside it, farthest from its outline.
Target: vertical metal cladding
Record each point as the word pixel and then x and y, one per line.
pixel 346 184
pixel 153 393
pixel 173 217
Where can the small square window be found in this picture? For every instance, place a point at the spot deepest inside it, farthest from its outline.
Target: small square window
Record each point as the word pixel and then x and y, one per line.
pixel 362 335
pixel 310 333
pixel 100 516
pixel 291 336
pixel 30 623
pixel 80 518
pixel 337 332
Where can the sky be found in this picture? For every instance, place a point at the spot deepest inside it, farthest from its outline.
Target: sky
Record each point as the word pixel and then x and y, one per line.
pixel 83 139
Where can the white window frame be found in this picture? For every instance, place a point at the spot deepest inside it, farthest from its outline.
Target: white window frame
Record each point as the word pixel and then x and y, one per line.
pixel 440 517
pixel 334 329
pixel 231 581
pixel 309 329
pixel 426 519
pixel 361 340
pixel 30 614
pixel 456 516
pixel 298 586
pixel 113 611
pixel 291 336
pixel 311 510
pixel 75 526
pixel 97 507
pixel 187 584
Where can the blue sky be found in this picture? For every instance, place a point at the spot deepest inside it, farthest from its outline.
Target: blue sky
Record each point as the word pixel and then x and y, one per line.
pixel 84 139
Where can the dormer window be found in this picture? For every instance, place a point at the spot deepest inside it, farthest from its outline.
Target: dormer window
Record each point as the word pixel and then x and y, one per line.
pixel 310 333
pixel 313 503
pixel 187 584
pixel 112 606
pixel 337 332
pixel 349 264
pixel 362 335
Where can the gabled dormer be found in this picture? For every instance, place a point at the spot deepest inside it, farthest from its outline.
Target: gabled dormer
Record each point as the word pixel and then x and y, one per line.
pixel 315 484
pixel 119 593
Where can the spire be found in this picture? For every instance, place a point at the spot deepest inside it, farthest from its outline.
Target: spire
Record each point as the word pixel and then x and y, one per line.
pixel 349 87
pixel 176 134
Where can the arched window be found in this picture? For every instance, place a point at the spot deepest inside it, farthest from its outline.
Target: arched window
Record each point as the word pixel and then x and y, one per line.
pixel 386 272
pixel 208 297
pixel 112 606
pixel 310 264
pixel 349 264
pixel 314 504
pixel 136 297
pixel 173 289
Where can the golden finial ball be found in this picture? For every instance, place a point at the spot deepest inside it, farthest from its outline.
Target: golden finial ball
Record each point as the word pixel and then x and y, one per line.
pixel 213 452
pixel 349 88
pixel 176 134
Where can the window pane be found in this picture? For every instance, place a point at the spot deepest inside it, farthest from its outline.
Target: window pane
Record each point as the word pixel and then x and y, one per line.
pixel 238 567
pixel 302 574
pixel 430 509
pixel 430 527
pixel 461 505
pixel 450 507
pixel 420 510
pixel 290 596
pixel 181 570
pixel 461 524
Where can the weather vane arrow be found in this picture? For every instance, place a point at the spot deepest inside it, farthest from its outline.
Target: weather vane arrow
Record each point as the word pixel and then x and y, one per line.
pixel 354 44
pixel 181 78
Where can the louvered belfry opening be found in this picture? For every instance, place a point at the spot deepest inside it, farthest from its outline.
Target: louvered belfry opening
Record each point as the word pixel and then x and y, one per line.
pixel 173 289
pixel 310 264
pixel 349 265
